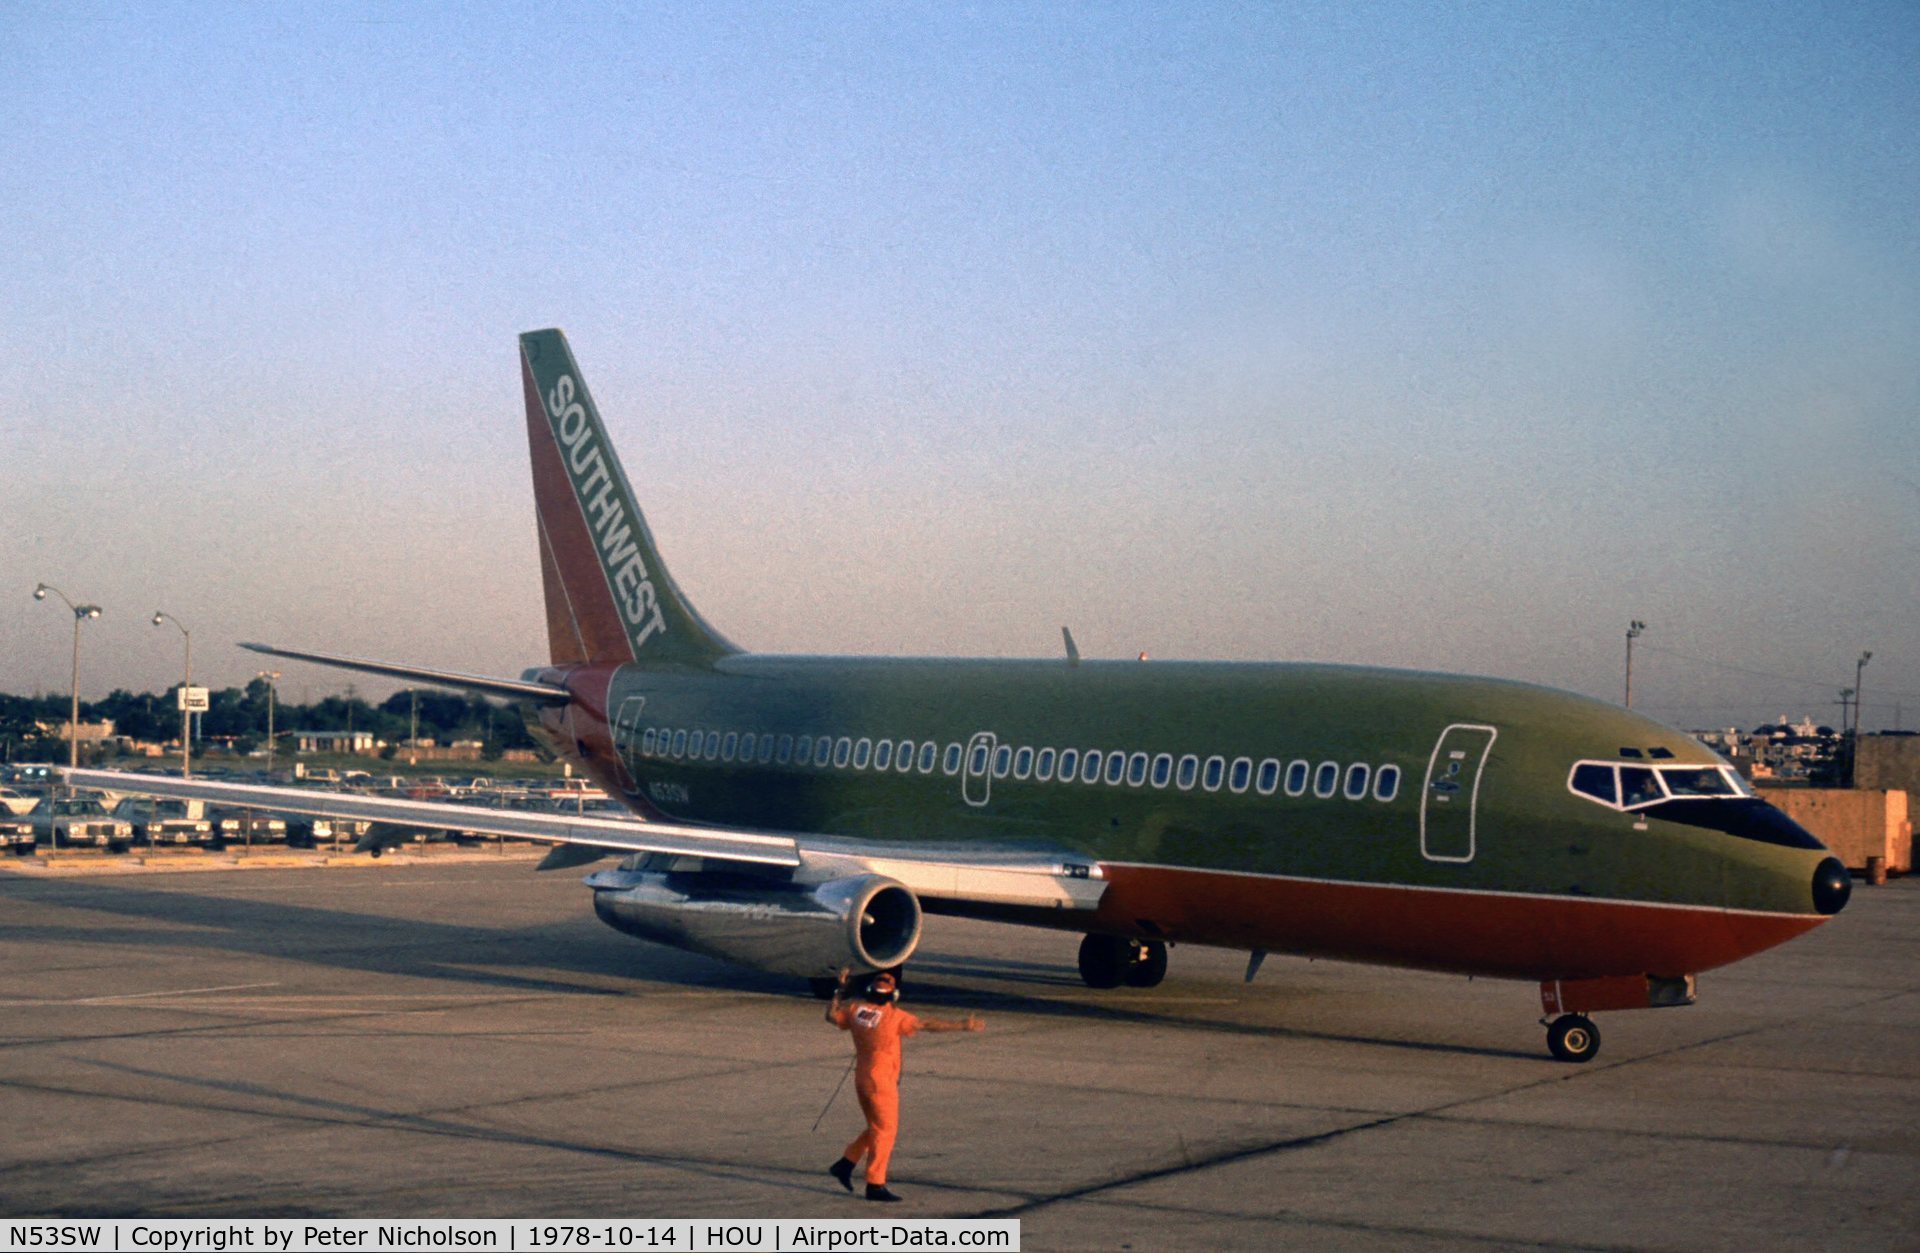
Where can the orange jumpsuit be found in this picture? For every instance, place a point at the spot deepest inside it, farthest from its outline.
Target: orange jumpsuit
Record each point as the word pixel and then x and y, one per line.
pixel 877 1032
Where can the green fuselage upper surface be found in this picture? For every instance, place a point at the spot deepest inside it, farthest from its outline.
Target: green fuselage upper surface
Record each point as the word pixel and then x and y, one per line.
pixel 1437 781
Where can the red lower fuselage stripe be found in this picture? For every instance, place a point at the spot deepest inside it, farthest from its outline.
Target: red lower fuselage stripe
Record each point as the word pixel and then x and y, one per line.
pixel 1501 934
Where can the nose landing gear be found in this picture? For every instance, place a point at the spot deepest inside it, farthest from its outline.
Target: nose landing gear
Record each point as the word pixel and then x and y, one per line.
pixel 1107 961
pixel 1573 1038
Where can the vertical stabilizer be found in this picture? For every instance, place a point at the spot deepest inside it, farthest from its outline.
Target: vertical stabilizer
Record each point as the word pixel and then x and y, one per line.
pixel 609 598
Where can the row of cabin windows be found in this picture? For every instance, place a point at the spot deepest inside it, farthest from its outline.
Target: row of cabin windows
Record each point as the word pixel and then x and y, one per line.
pixel 1356 781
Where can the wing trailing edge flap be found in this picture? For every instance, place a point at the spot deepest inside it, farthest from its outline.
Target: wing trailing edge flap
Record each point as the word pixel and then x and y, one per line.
pixel 615 834
pixel 1042 880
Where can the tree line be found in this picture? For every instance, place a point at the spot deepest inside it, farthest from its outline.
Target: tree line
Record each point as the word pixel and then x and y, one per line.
pixel 238 716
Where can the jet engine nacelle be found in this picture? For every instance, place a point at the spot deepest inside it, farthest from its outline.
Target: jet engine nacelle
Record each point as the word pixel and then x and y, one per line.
pixel 868 922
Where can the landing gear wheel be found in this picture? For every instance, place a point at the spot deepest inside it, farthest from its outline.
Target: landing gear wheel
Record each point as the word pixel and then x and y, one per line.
pixel 1573 1038
pixel 1149 964
pixel 1104 960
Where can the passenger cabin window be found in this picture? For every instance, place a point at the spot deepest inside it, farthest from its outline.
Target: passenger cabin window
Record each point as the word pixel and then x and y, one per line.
pixel 1090 766
pixel 1163 770
pixel 766 748
pixel 1043 765
pixel 951 762
pixel 883 755
pixel 730 746
pixel 977 760
pixel 646 742
pixel 1189 773
pixel 1269 781
pixel 862 753
pixel 1116 766
pixel 823 750
pixel 1023 763
pixel 1069 764
pixel 1386 783
pixel 1358 776
pixel 842 752
pixel 1241 775
pixel 1214 774
pixel 1136 770
pixel 1326 779
pixel 903 757
pixel 803 751
pixel 1297 778
pixel 1002 761
pixel 785 753
pixel 679 743
pixel 929 754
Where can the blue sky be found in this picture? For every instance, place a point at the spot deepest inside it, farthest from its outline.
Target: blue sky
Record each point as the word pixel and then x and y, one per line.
pixel 1450 338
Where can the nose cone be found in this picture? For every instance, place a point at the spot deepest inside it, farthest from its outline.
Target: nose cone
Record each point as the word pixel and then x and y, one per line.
pixel 1832 885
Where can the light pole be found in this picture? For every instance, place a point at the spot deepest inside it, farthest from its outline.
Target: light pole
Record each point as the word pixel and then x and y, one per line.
pixel 271 676
pixel 80 614
pixel 1859 702
pixel 186 687
pixel 1633 633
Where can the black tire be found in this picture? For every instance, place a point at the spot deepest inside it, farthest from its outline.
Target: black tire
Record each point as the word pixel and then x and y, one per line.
pixel 1104 960
pixel 1149 965
pixel 1573 1038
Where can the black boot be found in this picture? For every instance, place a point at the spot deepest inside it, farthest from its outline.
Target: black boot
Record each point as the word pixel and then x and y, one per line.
pixel 843 1171
pixel 878 1192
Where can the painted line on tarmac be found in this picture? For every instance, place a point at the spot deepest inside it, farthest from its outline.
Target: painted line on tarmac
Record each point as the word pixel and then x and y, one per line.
pixel 142 996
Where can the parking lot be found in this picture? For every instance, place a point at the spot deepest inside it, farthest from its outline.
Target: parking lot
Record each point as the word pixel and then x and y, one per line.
pixel 462 1038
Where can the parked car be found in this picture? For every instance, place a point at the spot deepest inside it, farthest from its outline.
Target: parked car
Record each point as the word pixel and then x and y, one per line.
pixel 233 825
pixel 165 821
pixel 305 832
pixel 76 821
pixel 16 834
pixel 18 801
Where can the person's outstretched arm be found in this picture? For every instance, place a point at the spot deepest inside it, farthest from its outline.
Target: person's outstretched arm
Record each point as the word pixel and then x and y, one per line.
pixel 839 991
pixel 972 1022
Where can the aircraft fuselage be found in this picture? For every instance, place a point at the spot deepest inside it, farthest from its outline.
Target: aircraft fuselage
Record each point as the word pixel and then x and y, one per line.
pixel 1374 815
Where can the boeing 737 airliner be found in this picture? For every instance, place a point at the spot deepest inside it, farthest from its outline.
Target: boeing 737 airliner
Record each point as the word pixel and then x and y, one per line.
pixel 801 813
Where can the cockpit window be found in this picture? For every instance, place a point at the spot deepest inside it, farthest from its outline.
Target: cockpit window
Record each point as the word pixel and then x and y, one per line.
pixel 1637 786
pixel 1618 785
pixel 1595 780
pixel 1696 781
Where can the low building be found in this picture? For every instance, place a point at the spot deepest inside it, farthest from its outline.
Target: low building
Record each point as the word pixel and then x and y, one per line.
pixel 1888 761
pixel 357 743
pixel 90 732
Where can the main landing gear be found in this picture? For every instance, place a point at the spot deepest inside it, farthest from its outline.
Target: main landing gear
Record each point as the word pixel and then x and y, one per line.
pixel 1573 1038
pixel 1107 961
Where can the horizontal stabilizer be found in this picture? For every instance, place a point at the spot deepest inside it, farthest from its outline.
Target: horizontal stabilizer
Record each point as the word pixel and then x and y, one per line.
pixel 513 689
pixel 626 835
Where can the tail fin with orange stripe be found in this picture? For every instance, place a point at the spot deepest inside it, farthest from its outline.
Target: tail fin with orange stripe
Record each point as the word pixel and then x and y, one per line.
pixel 609 597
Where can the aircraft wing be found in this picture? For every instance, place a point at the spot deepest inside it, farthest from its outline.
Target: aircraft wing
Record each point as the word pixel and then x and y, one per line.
pixel 613 834
pixel 959 875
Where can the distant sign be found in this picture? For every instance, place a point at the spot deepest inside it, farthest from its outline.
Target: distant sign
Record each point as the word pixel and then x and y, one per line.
pixel 193 699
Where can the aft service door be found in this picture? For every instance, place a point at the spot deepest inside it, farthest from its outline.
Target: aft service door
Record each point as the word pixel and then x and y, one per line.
pixel 1449 803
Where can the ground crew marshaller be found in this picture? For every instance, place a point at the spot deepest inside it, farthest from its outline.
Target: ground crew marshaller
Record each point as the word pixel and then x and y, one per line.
pixel 878 1025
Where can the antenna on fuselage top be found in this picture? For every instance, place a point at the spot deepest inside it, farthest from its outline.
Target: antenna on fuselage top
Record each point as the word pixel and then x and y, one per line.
pixel 1073 650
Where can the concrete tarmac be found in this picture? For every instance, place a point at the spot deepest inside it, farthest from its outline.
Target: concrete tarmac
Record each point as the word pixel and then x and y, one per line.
pixel 462 1038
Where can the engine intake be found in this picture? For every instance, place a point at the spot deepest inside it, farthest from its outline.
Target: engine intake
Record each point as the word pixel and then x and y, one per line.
pixel 868 922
